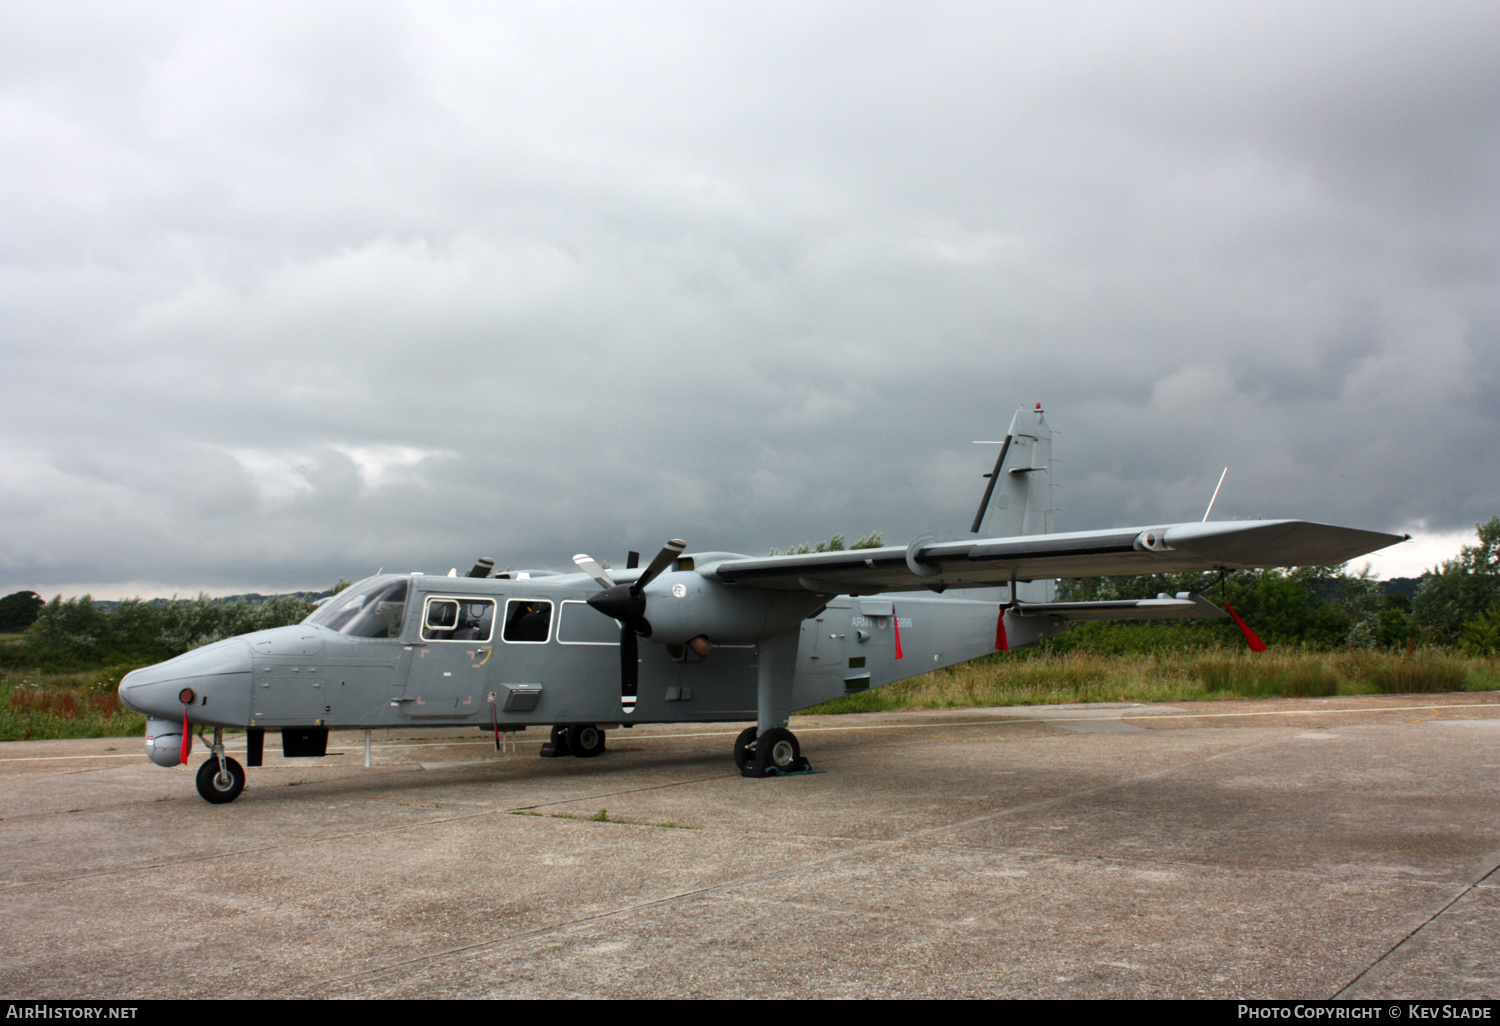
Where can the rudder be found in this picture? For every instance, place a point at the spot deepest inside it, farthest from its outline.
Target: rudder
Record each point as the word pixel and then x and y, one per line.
pixel 1018 498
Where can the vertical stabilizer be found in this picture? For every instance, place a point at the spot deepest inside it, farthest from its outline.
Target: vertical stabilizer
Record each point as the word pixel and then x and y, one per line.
pixel 1018 498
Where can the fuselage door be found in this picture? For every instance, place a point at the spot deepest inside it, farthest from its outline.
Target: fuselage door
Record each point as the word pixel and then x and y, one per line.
pixel 451 660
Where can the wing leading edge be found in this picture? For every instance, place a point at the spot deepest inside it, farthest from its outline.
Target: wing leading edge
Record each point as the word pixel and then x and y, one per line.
pixel 986 562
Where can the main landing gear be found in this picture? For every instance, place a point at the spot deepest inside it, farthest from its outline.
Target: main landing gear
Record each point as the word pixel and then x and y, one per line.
pixel 776 751
pixel 220 778
pixel 584 741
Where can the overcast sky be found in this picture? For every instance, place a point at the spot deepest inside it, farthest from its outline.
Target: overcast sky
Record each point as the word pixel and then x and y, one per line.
pixel 290 292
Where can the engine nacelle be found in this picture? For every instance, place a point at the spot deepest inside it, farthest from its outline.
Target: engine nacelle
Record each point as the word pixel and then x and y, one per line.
pixel 164 742
pixel 680 606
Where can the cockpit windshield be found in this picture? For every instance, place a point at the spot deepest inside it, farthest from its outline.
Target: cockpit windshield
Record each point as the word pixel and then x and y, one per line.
pixel 370 609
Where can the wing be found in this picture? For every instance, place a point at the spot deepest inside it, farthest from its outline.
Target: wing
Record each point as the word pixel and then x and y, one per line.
pixel 985 562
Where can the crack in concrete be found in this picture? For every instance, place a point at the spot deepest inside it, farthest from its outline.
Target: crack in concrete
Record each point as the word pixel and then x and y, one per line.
pixel 1494 864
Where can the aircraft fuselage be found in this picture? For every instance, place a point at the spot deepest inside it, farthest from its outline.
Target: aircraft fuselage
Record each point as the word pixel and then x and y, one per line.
pixel 504 653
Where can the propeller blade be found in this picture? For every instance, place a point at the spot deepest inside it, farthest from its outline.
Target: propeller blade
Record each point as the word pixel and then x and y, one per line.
pixel 670 551
pixel 630 665
pixel 586 563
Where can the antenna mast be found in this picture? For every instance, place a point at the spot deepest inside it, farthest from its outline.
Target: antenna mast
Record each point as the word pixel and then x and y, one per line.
pixel 1216 495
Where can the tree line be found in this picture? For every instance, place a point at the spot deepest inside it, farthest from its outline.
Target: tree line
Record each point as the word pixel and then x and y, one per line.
pixel 79 632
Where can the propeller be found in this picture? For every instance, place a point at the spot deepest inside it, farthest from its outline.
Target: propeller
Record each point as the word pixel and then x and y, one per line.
pixel 627 604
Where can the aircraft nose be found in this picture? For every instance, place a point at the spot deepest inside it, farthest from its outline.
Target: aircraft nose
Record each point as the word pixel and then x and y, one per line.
pixel 213 670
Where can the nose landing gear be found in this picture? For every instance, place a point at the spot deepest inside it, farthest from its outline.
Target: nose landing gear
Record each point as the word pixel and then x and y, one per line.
pixel 220 778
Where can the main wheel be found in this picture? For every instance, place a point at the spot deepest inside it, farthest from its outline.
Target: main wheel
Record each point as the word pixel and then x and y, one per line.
pixel 586 741
pixel 744 748
pixel 557 746
pixel 220 790
pixel 778 748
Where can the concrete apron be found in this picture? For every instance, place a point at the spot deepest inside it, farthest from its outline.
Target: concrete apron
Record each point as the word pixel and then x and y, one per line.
pixel 1286 848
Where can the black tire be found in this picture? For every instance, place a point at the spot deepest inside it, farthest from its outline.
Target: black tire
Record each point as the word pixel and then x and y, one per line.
pixel 213 789
pixel 744 748
pixel 585 741
pixel 778 749
pixel 557 746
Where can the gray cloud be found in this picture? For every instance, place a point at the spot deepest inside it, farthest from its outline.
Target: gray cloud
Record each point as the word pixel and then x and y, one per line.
pixel 288 293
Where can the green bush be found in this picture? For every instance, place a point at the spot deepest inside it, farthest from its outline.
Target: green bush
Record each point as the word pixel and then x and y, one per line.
pixel 80 633
pixel 1157 637
pixel 1462 590
pixel 1481 635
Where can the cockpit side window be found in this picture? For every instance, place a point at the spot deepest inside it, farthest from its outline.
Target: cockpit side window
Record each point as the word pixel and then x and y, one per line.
pixel 458 619
pixel 369 610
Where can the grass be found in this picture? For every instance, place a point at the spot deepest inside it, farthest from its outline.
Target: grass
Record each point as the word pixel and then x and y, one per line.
pixel 1039 678
pixel 1426 673
pixel 1273 678
pixel 47 706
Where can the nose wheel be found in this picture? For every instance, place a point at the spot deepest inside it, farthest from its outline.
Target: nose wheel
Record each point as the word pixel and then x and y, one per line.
pixel 220 781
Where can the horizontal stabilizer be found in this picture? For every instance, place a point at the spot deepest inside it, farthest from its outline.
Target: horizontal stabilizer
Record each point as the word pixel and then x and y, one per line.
pixel 1183 606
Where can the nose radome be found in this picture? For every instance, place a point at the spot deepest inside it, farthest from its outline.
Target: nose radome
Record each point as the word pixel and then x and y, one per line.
pixel 154 690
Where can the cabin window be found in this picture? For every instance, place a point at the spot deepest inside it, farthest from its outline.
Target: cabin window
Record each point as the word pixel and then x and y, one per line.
pixel 458 619
pixel 581 624
pixel 528 621
pixel 372 609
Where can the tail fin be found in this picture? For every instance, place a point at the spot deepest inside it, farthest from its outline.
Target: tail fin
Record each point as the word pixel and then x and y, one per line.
pixel 1018 498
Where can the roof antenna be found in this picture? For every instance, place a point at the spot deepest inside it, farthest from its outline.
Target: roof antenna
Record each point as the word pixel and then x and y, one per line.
pixel 1216 495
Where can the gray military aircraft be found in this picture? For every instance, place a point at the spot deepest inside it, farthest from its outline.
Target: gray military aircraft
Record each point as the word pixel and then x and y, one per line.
pixel 694 637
